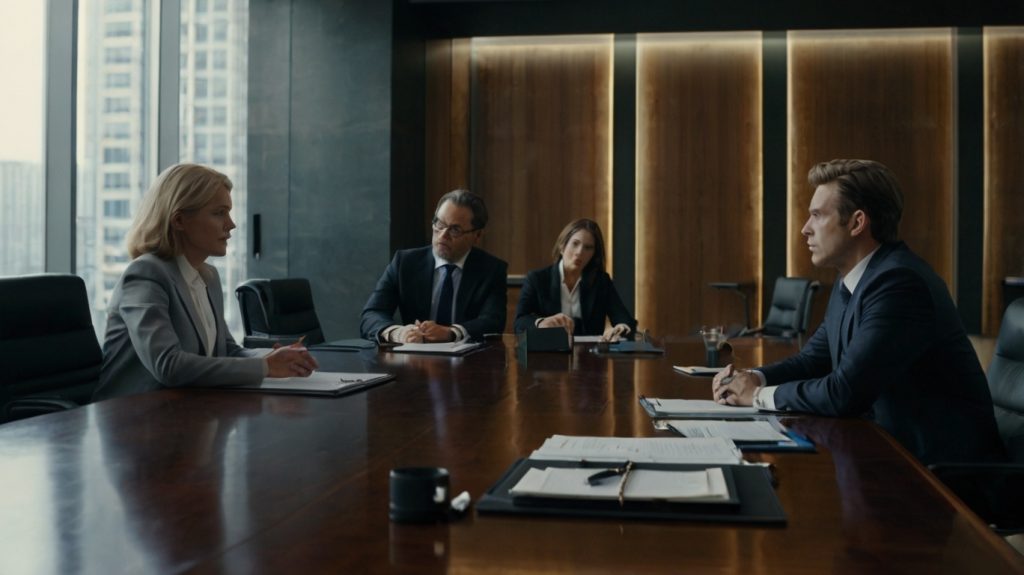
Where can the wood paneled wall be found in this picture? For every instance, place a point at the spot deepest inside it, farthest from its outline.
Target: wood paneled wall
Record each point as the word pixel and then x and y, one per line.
pixel 1004 168
pixel 527 123
pixel 447 119
pixel 879 95
pixel 698 178
pixel 541 141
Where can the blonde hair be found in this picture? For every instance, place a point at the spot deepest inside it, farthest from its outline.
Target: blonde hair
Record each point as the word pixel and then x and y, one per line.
pixel 180 188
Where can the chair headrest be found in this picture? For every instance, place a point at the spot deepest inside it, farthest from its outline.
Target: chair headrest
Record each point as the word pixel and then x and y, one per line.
pixel 789 292
pixel 290 295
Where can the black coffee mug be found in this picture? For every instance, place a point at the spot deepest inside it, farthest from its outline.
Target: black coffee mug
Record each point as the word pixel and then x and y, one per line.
pixel 418 494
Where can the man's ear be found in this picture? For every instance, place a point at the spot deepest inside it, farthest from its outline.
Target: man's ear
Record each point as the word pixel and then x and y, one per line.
pixel 860 223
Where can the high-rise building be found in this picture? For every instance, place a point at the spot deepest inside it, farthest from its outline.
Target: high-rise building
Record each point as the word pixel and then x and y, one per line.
pixel 21 217
pixel 118 126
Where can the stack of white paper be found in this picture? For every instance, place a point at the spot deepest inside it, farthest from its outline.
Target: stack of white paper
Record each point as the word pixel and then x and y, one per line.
pixel 714 450
pixel 640 485
pixel 685 407
pixel 734 430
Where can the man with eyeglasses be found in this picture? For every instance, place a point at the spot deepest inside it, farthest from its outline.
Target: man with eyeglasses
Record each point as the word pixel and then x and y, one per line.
pixel 447 291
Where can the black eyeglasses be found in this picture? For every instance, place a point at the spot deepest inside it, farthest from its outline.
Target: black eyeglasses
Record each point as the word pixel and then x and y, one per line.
pixel 454 231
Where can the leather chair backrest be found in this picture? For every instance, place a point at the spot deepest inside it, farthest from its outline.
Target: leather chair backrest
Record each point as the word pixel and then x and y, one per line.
pixel 279 307
pixel 1006 380
pixel 48 345
pixel 790 300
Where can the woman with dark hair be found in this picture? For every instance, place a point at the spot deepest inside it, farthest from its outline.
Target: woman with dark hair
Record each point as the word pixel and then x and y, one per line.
pixel 575 292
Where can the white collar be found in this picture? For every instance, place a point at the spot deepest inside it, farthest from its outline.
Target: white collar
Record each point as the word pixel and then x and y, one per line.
pixel 460 263
pixel 851 279
pixel 190 273
pixel 561 275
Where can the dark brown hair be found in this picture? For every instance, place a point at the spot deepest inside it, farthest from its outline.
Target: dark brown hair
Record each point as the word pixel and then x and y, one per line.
pixel 469 200
pixel 864 185
pixel 596 262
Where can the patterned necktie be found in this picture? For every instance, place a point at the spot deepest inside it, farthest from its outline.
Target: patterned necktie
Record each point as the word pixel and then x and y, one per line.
pixel 444 305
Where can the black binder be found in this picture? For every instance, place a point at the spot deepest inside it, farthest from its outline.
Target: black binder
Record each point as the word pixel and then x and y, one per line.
pixel 754 499
pixel 555 339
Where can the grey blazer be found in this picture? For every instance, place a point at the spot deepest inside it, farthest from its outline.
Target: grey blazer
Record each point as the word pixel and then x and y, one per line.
pixel 152 340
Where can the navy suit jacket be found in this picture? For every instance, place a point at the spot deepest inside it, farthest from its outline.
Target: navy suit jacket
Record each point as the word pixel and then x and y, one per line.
pixel 409 279
pixel 898 355
pixel 542 296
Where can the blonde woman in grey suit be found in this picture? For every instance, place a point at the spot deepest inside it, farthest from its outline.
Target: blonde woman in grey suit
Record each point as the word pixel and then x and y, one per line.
pixel 165 322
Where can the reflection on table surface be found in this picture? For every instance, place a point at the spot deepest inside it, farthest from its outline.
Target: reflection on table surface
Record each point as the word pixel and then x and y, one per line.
pixel 223 481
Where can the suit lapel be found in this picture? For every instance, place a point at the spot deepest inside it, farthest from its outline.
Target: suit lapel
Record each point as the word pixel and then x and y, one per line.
pixel 588 284
pixel 217 305
pixel 554 292
pixel 835 316
pixel 848 317
pixel 466 285
pixel 423 296
pixel 185 298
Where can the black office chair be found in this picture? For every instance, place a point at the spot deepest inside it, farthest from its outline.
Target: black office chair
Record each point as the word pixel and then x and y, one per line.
pixel 278 311
pixel 790 310
pixel 48 349
pixel 995 491
pixel 281 311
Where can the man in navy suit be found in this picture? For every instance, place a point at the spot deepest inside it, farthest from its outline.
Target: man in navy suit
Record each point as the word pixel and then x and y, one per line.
pixel 892 347
pixel 447 291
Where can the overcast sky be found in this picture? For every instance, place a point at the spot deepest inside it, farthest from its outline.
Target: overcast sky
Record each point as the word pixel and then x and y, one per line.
pixel 22 71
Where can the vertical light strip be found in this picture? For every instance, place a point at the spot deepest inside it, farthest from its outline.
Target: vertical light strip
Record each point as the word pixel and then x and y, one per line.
pixel 59 161
pixel 789 155
pixel 168 79
pixel 609 234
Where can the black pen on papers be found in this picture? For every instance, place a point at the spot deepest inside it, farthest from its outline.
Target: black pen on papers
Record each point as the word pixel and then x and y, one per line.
pixel 596 478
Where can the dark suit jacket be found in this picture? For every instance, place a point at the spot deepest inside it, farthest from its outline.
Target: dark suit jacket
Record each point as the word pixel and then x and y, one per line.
pixel 898 355
pixel 542 296
pixel 407 283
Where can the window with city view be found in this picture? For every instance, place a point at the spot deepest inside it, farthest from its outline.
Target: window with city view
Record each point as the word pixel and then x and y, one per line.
pixel 117 127
pixel 213 122
pixel 22 206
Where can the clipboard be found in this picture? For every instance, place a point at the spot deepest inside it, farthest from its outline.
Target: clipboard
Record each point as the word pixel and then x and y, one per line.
pixel 751 486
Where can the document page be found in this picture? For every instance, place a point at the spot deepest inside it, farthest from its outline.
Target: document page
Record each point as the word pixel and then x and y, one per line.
pixel 321 381
pixel 646 449
pixel 734 430
pixel 445 348
pixel 640 485
pixel 697 369
pixel 683 407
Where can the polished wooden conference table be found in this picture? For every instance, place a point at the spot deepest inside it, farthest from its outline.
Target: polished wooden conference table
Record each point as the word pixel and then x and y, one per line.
pixel 212 481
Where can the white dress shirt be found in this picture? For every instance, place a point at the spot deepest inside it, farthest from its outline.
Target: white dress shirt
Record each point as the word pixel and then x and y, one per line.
pixel 570 297
pixel 201 301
